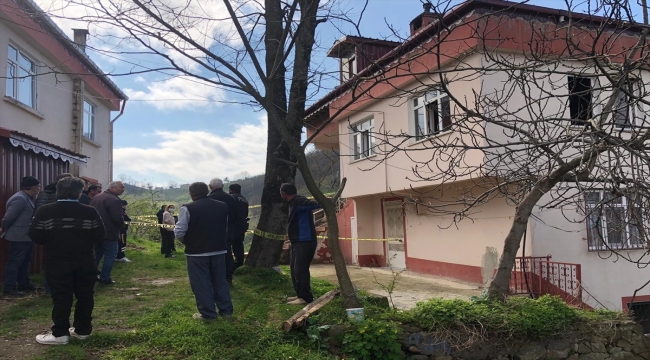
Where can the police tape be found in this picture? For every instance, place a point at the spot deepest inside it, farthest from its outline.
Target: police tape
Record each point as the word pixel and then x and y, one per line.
pixel 148 224
pixel 258 232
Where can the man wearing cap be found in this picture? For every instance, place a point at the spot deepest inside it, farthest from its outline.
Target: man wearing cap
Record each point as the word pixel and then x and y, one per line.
pixel 241 225
pixel 14 228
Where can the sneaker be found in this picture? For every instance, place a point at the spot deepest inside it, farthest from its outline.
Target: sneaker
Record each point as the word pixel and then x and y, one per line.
pixel 292 298
pixel 14 293
pixel 75 335
pixel 106 282
pixel 298 301
pixel 170 256
pixel 124 259
pixel 199 316
pixel 49 339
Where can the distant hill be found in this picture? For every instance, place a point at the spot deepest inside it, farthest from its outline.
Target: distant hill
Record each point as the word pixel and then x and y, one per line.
pixel 323 164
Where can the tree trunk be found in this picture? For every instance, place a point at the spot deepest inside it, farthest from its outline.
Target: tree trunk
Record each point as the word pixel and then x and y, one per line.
pixel 273 218
pixel 266 252
pixel 499 287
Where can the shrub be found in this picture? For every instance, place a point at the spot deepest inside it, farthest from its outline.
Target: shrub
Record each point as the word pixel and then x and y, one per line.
pixel 373 339
pixel 518 317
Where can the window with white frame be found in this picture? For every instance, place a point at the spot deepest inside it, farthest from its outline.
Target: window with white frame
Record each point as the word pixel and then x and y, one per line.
pixel 363 140
pixel 21 79
pixel 431 113
pixel 628 113
pixel 89 121
pixel 613 222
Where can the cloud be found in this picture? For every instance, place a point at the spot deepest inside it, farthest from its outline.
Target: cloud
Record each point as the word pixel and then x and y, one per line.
pixel 189 156
pixel 178 93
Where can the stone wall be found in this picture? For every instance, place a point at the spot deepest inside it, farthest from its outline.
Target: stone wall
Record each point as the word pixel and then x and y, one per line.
pixel 621 340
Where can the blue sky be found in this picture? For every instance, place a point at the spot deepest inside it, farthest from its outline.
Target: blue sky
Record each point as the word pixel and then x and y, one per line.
pixel 175 130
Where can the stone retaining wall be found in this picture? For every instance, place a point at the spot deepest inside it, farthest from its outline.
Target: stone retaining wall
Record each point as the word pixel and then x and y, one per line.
pixel 621 340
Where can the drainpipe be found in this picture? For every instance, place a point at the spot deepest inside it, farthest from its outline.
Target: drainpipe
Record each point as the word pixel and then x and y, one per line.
pixel 110 157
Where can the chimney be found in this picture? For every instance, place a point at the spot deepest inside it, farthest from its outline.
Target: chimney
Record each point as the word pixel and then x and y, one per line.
pixel 424 19
pixel 80 36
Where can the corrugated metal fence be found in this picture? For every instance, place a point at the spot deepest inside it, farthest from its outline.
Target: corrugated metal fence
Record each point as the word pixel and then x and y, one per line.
pixel 16 162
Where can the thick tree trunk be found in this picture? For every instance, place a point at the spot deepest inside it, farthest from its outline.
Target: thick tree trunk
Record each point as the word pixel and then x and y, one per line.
pixel 266 252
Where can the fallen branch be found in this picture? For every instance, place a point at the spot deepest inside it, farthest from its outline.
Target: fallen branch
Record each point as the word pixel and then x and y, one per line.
pixel 301 316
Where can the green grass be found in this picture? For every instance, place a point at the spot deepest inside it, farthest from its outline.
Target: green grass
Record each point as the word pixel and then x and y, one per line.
pixel 155 321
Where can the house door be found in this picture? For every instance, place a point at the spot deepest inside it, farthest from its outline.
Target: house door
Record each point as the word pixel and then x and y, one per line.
pixel 394 228
pixel 355 243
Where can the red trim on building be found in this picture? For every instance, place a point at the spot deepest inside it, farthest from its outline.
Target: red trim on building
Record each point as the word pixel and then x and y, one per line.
pixel 460 272
pixel 627 299
pixel 28 24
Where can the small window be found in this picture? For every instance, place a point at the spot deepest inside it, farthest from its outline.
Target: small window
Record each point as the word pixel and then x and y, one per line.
pixel 431 114
pixel 89 121
pixel 363 140
pixel 580 100
pixel 21 77
pixel 348 68
pixel 613 222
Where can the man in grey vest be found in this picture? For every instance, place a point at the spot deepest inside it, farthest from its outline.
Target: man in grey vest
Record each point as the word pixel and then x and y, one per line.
pixel 203 227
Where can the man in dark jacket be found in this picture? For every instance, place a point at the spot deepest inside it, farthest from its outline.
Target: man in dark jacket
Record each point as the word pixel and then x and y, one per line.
pixel 162 230
pixel 84 199
pixel 202 226
pixel 216 185
pixel 69 230
pixel 109 207
pixel 48 195
pixel 14 228
pixel 241 225
pixel 302 234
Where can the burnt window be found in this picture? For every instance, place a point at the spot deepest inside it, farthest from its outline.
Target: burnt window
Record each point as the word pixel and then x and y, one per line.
pixel 580 100
pixel 431 114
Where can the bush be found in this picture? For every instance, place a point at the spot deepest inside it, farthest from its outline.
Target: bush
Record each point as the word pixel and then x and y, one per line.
pixel 373 339
pixel 518 317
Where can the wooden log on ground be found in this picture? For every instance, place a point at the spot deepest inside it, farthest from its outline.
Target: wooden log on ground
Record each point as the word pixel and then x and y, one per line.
pixel 301 316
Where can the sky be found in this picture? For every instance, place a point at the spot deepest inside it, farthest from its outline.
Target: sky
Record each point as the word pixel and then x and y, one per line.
pixel 179 131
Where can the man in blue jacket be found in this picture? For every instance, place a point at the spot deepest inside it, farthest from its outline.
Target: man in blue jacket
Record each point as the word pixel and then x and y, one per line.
pixel 302 234
pixel 14 228
pixel 203 227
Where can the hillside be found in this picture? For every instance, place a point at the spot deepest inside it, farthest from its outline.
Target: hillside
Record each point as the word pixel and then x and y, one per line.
pixel 323 164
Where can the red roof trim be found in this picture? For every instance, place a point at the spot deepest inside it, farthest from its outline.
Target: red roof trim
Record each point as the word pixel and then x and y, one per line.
pixel 455 14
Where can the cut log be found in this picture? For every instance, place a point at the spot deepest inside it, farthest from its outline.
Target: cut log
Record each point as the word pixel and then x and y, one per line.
pixel 301 316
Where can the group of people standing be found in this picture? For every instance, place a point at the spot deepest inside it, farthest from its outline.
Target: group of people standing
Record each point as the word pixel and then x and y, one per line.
pixel 76 237
pixel 78 226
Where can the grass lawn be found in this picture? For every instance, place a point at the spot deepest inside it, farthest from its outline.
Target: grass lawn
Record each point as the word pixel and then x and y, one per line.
pixel 148 315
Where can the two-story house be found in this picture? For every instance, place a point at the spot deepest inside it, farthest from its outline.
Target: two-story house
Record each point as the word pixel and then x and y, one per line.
pixel 55 104
pixel 390 97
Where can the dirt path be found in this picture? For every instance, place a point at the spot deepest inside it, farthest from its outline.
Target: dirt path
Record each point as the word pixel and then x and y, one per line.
pixel 410 289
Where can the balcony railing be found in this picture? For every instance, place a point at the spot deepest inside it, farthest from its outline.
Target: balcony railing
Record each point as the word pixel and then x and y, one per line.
pixel 539 276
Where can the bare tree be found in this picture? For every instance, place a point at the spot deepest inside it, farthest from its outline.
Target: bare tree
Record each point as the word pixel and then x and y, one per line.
pixel 543 109
pixel 260 53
